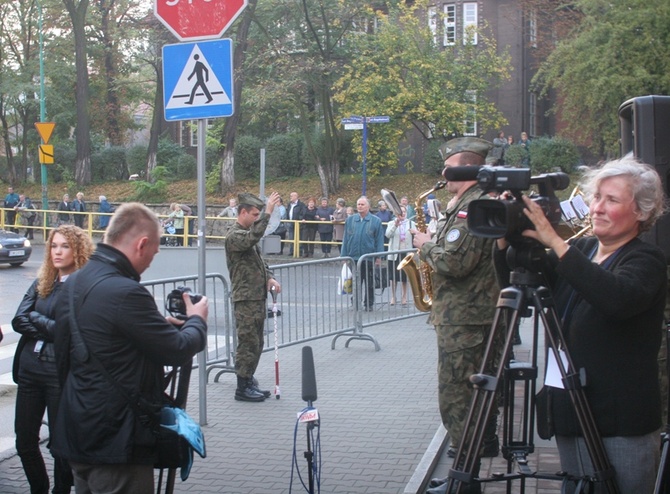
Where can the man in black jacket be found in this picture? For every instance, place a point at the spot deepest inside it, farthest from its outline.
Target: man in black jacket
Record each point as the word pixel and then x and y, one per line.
pixel 296 212
pixel 109 448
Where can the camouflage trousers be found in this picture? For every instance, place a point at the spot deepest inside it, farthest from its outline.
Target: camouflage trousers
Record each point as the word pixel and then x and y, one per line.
pixel 460 354
pixel 250 321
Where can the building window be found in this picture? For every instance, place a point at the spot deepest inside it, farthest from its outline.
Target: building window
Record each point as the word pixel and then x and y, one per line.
pixel 470 122
pixel 432 22
pixel 532 29
pixel 532 114
pixel 470 23
pixel 193 127
pixel 449 24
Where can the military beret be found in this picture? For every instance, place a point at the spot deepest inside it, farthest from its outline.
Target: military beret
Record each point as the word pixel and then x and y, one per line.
pixel 250 200
pixel 465 144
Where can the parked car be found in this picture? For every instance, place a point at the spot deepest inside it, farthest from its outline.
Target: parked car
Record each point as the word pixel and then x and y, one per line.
pixel 14 248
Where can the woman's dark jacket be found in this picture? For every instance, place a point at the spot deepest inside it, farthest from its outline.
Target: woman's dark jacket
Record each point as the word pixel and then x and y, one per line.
pixel 34 320
pixel 121 325
pixel 613 331
pixel 310 215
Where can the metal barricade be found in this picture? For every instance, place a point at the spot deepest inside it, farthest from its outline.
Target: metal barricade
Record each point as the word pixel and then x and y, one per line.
pixel 311 305
pixel 220 333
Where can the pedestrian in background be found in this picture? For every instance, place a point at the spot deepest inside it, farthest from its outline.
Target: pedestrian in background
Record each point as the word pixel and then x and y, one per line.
pixel 64 208
pixel 177 217
pixel 105 207
pixel 364 234
pixel 11 200
pixel 399 233
pixel 68 248
pixel 324 214
pixel 79 206
pixel 308 228
pixel 339 217
pixel 28 214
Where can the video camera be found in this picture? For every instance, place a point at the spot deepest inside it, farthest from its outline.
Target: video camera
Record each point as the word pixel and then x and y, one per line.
pixel 505 217
pixel 175 303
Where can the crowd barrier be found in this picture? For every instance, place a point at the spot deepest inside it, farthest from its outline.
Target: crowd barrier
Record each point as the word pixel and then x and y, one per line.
pixel 311 305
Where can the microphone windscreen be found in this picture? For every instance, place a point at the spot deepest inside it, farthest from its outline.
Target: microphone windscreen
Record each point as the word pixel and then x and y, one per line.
pixel 461 173
pixel 308 376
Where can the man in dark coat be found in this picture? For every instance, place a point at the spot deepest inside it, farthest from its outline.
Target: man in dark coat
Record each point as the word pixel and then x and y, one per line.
pixel 108 445
pixel 294 211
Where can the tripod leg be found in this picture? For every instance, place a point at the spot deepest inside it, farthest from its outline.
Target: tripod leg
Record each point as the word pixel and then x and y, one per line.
pixel 484 398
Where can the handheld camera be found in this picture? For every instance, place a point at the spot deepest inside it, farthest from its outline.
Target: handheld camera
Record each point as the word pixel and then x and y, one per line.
pixel 175 303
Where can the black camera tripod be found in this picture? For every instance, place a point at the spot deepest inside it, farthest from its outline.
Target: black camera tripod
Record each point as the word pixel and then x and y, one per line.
pixel 514 303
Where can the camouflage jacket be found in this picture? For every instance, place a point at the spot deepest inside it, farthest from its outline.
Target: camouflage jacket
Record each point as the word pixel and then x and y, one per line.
pixel 249 273
pixel 465 289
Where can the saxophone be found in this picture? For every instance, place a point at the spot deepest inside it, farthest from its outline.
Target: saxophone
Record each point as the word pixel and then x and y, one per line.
pixel 418 273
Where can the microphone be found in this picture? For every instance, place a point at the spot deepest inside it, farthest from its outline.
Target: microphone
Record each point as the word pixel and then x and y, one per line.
pixel 308 376
pixel 461 173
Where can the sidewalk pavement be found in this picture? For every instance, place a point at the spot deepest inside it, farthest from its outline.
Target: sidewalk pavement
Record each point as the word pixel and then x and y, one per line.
pixel 380 429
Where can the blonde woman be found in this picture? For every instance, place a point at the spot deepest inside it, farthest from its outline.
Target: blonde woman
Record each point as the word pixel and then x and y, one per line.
pixel 34 371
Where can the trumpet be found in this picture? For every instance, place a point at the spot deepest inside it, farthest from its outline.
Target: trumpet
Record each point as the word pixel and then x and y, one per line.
pixel 419 274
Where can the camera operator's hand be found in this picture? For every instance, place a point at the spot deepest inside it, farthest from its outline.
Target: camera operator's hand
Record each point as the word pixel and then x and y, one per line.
pixel 544 231
pixel 200 309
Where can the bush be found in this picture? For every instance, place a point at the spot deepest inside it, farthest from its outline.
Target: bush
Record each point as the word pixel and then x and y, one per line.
pixel 146 192
pixel 283 156
pixel 109 164
pixel 550 154
pixel 136 157
pixel 515 155
pixel 247 157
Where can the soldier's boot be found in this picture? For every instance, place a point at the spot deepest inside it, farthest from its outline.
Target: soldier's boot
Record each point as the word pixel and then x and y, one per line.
pixel 491 446
pixel 245 391
pixel 441 486
pixel 254 386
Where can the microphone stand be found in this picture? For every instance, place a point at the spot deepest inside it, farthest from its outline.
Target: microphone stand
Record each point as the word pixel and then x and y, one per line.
pixel 309 455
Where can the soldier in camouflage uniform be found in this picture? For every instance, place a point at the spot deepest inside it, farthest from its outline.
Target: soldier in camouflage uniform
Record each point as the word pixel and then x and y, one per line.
pixel 250 278
pixel 464 294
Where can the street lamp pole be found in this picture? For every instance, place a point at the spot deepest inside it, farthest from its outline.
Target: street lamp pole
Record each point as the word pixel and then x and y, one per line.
pixel 43 111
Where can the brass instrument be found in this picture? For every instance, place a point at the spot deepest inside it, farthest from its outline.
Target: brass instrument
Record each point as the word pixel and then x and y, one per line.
pixel 418 273
pixel 575 214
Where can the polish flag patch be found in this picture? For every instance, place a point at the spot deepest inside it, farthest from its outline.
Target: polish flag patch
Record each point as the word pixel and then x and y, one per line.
pixel 462 215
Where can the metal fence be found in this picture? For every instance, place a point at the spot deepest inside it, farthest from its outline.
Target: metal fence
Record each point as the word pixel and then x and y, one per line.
pixel 311 305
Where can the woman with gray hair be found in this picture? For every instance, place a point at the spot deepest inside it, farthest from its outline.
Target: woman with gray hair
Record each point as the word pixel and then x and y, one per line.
pixel 610 292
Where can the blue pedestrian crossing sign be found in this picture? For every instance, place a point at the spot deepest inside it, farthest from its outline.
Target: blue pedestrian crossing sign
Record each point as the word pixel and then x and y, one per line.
pixel 198 80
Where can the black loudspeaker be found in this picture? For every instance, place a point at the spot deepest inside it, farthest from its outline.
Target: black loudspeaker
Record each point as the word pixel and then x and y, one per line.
pixel 645 131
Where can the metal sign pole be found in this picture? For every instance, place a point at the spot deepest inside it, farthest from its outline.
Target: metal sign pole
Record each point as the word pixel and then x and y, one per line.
pixel 202 282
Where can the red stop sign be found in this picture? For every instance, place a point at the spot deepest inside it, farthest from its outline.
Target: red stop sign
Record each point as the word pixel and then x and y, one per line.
pixel 198 19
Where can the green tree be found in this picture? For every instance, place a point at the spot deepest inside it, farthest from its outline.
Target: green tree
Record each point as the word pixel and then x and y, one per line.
pixel 618 50
pixel 298 52
pixel 400 71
